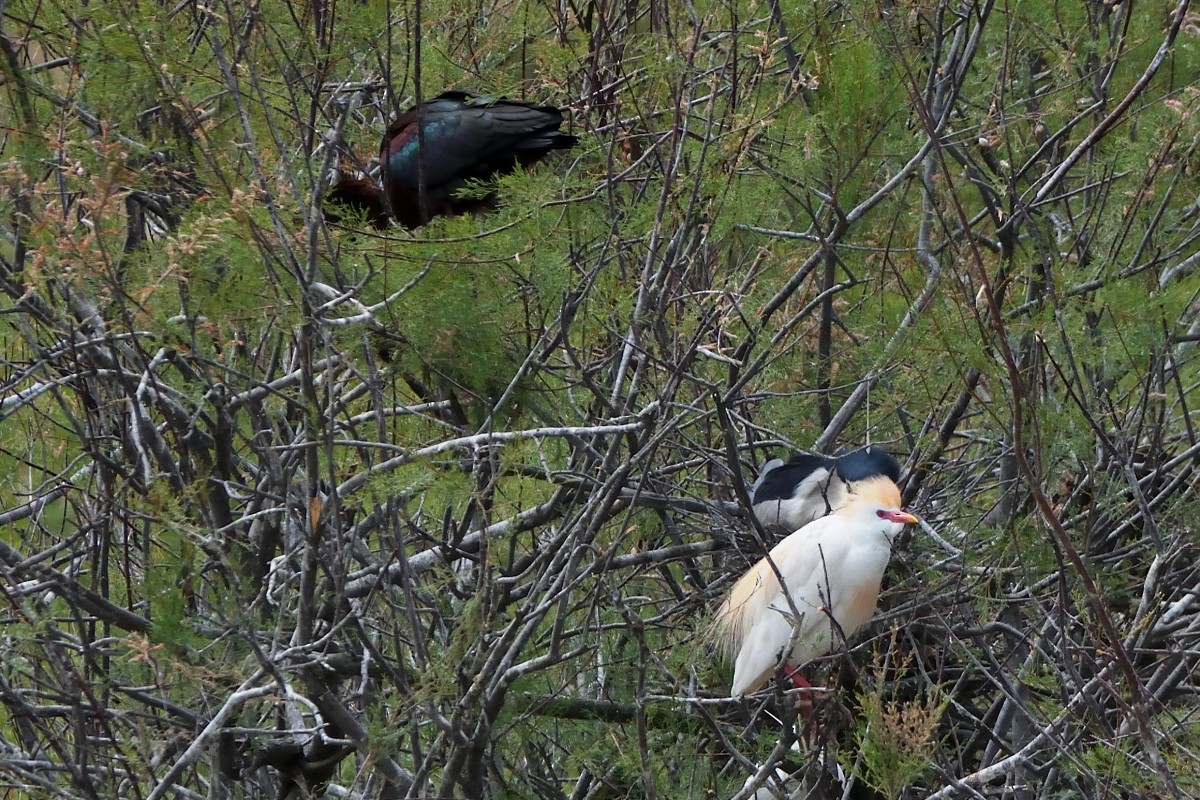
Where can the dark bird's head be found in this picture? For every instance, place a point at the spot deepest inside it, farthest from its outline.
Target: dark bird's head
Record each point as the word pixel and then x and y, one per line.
pixel 869 462
pixel 357 194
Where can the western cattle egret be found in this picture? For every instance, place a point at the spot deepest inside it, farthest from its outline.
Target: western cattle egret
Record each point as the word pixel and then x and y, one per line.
pixel 831 570
pixel 793 494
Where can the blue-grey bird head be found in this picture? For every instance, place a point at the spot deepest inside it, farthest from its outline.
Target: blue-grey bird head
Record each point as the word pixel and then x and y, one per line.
pixel 869 462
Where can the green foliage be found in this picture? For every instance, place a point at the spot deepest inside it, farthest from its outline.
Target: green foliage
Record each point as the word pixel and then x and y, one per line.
pixel 1179 759
pixel 897 739
pixel 861 94
pixel 1113 760
pixel 228 388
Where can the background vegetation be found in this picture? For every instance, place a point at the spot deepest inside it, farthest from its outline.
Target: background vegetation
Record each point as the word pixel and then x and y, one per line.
pixel 292 509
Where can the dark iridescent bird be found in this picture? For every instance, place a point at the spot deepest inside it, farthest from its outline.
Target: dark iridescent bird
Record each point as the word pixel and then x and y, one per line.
pixel 431 152
pixel 790 495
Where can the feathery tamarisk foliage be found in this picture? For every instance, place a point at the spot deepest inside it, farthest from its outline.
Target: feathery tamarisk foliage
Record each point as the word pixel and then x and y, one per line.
pixel 288 507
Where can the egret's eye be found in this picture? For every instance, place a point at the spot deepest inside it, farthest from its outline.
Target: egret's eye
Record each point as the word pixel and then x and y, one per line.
pixel 881 514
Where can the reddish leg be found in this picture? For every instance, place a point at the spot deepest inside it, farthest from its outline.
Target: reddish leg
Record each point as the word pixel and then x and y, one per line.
pixel 797 677
pixel 804 701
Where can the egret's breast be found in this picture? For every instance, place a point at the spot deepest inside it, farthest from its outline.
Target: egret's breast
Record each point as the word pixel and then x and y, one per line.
pixel 860 607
